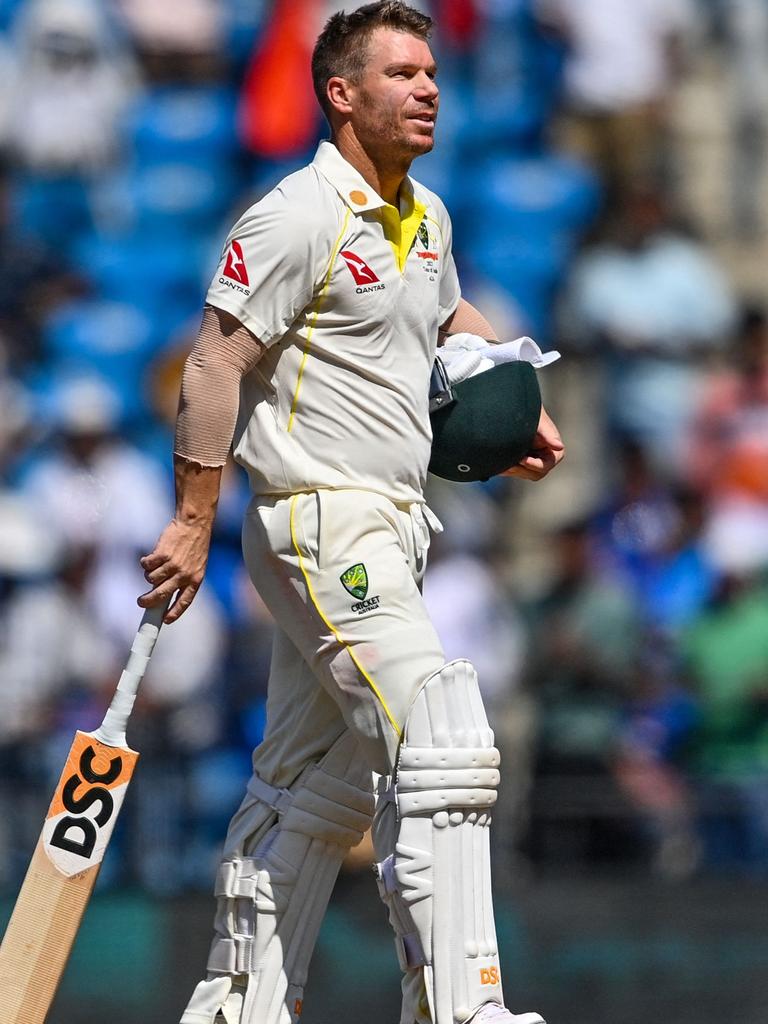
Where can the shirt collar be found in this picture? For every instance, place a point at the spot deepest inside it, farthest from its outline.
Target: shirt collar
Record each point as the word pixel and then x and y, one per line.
pixel 349 182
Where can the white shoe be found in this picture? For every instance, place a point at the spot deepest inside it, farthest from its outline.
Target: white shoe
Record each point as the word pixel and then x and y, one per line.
pixel 492 1013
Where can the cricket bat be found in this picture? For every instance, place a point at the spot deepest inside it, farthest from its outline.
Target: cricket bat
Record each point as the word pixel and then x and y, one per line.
pixel 66 861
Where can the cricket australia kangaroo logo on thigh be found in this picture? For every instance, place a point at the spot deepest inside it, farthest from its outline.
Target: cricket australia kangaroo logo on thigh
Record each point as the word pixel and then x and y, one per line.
pixel 355 582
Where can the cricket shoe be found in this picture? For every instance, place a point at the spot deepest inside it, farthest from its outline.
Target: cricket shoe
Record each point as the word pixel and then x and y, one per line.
pixel 492 1013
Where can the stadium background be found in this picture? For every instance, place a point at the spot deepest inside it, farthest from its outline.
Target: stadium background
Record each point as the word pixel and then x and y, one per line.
pixel 604 164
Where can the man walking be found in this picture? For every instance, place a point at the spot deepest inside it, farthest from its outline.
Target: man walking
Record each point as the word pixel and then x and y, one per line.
pixel 315 353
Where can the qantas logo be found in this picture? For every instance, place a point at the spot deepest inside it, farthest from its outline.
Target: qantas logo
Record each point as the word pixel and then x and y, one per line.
pixel 361 272
pixel 235 268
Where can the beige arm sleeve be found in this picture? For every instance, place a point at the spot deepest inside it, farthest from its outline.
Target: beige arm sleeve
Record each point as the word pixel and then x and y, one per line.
pixel 467 319
pixel 210 388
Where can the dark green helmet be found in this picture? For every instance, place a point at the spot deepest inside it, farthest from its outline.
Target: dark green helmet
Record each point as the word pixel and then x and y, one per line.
pixel 485 424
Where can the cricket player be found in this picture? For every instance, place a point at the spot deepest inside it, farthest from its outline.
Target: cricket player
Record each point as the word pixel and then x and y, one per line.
pixel 318 338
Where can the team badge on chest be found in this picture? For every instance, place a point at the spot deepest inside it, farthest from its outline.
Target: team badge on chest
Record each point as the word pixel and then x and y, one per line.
pixel 429 254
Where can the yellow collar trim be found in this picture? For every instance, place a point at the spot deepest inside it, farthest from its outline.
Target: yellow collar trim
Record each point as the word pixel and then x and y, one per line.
pixel 400 228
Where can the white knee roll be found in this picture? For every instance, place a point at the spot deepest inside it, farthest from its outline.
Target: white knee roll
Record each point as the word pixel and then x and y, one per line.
pixel 438 883
pixel 272 901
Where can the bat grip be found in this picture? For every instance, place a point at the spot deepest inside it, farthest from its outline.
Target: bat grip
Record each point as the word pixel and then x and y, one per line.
pixel 112 729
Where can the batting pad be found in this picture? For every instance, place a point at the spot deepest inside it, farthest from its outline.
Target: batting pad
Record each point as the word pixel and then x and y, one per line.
pixel 437 883
pixel 271 903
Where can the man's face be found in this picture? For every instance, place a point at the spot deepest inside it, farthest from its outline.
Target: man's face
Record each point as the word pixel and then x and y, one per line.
pixel 395 103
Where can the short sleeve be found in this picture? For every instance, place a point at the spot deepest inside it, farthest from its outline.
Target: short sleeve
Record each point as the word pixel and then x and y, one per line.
pixel 271 264
pixel 450 291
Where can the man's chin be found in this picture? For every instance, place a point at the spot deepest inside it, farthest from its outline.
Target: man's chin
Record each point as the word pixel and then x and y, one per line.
pixel 421 144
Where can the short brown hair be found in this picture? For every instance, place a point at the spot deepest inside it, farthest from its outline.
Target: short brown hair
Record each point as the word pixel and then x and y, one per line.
pixel 342 46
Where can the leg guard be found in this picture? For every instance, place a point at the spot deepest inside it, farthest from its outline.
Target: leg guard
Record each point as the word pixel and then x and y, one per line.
pixel 274 889
pixel 437 883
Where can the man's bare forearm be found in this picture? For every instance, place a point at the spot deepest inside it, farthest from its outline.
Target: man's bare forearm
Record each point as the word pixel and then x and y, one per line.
pixel 197 492
pixel 179 559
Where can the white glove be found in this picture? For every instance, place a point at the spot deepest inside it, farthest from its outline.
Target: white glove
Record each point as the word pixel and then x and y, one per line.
pixel 521 350
pixel 463 355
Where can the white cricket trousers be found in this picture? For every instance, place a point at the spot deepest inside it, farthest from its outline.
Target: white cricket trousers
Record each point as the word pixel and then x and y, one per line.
pixel 341 660
pixel 353 645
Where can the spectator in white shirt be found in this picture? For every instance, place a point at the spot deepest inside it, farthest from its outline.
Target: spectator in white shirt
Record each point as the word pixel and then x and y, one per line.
pixel 619 67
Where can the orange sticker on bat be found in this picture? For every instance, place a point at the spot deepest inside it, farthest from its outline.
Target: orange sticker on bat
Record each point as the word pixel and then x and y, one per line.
pixel 86 803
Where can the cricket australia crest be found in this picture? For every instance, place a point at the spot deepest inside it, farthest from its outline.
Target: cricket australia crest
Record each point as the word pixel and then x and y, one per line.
pixel 355 581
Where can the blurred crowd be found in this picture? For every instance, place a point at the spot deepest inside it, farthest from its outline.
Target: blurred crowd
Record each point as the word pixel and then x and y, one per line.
pixel 618 616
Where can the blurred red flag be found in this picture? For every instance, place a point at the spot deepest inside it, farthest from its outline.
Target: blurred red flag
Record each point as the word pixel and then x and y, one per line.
pixel 458 20
pixel 278 112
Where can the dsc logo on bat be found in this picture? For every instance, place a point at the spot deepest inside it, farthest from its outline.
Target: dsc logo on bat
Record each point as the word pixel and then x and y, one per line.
pixel 85 805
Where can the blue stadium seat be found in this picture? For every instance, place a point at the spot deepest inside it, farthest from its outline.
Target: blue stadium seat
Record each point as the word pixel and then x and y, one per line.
pixel 8 11
pixel 514 80
pixel 245 22
pixel 513 115
pixel 544 192
pixel 520 222
pixel 143 272
pixel 196 125
pixel 530 270
pixel 159 199
pixel 107 338
pixel 55 210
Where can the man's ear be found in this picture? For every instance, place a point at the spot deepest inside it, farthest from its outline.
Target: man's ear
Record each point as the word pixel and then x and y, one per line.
pixel 339 92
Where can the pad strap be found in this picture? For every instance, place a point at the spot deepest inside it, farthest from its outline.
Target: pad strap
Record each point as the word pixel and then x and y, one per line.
pixel 278 799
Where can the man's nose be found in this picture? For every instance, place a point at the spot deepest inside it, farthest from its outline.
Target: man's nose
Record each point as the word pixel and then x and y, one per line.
pixel 426 87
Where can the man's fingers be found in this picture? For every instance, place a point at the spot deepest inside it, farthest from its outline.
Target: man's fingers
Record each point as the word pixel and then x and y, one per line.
pixel 553 441
pixel 163 572
pixel 161 594
pixel 539 461
pixel 535 465
pixel 152 561
pixel 183 601
pixel 520 473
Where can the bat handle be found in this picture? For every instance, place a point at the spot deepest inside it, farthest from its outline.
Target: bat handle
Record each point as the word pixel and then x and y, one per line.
pixel 112 729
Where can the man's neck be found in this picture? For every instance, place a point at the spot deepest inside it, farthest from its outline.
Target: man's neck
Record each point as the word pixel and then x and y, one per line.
pixel 385 179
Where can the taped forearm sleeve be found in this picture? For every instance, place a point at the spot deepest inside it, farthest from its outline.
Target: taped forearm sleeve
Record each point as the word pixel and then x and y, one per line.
pixel 210 388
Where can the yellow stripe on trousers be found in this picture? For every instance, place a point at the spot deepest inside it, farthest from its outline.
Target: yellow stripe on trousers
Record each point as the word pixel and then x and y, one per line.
pixel 329 624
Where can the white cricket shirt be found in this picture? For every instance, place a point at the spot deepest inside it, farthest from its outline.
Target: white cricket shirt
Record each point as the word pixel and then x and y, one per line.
pixel 347 294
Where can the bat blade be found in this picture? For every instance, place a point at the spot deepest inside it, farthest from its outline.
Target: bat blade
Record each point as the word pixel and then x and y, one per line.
pixel 61 877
